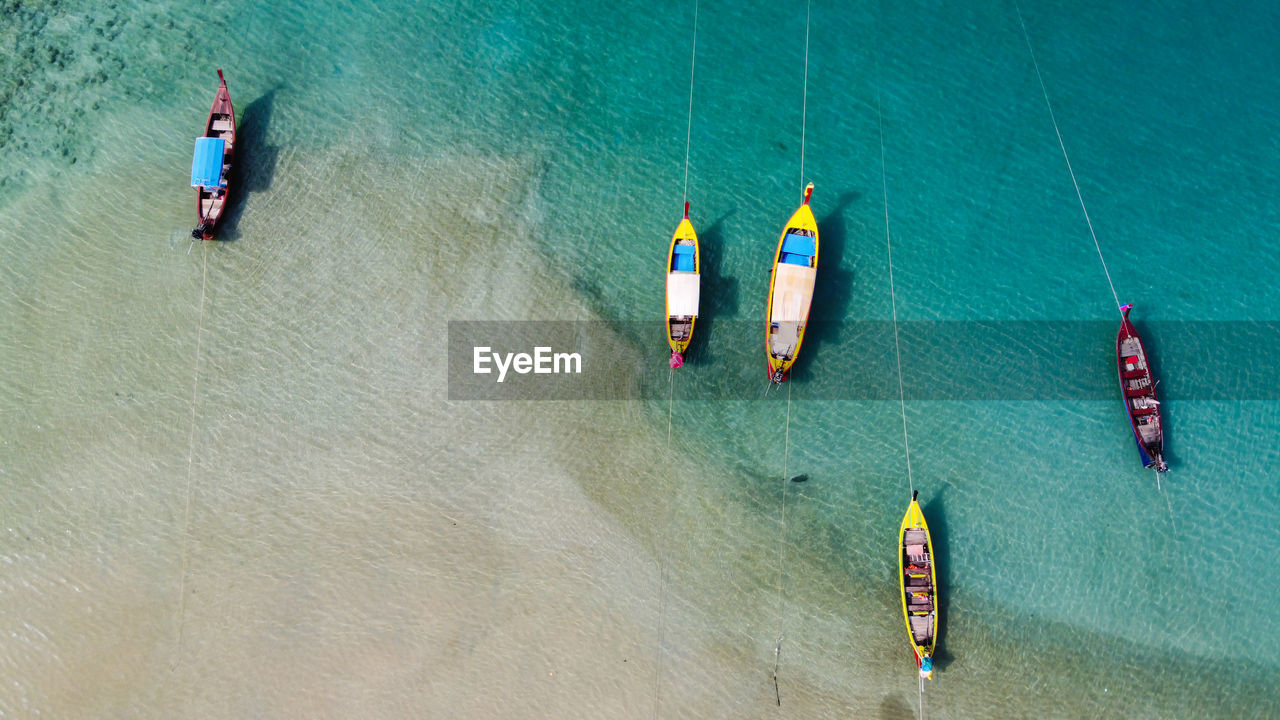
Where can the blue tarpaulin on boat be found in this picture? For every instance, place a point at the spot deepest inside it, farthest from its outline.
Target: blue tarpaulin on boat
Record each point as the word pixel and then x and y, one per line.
pixel 796 259
pixel 798 245
pixel 206 165
pixel 683 259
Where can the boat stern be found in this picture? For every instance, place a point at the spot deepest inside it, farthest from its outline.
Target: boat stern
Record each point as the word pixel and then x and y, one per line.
pixel 777 369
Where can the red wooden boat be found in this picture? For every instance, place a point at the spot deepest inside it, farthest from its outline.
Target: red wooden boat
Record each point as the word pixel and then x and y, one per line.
pixel 210 179
pixel 1138 389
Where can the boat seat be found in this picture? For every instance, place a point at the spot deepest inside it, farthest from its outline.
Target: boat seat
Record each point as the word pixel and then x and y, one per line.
pixel 221 125
pixel 921 561
pixel 915 550
pixel 922 627
pixel 1131 374
pixel 1137 392
pixel 795 243
pixel 683 259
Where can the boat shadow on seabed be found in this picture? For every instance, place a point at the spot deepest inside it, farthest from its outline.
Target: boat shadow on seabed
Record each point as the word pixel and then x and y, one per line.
pixel 719 293
pixel 833 288
pixel 255 166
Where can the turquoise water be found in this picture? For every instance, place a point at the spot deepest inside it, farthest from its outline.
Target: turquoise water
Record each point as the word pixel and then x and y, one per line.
pixel 235 484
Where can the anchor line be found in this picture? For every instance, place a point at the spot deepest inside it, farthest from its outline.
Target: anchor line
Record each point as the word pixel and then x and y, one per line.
pixel 662 570
pixel 662 565
pixel 191 450
pixel 893 301
pixel 893 305
pixel 786 446
pixel 1062 146
pixel 782 544
pixel 688 133
pixel 786 451
pixel 804 103
pixel 921 698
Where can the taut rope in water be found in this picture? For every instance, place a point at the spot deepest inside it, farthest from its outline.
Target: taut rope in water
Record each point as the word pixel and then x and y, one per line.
pixel 893 300
pixel 1057 131
pixel 804 103
pixel 671 383
pixel 688 133
pixel 786 446
pixel 893 305
pixel 1079 196
pixel 782 545
pixel 191 451
pixel 662 566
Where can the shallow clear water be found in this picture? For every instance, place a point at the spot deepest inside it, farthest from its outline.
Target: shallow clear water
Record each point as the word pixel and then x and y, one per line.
pixel 234 483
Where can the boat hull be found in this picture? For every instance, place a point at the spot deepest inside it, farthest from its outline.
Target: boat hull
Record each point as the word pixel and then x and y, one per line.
pixel 791 287
pixel 1138 392
pixel 917 585
pixel 683 287
pixel 211 202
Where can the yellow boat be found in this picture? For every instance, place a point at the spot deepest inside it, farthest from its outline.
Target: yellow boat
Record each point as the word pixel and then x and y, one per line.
pixel 918 586
pixel 795 267
pixel 684 267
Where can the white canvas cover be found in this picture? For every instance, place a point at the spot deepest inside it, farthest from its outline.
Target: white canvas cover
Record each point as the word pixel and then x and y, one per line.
pixel 792 293
pixel 682 293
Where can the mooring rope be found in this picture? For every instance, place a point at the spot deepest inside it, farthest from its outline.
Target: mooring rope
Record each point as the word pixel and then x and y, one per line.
pixel 1026 36
pixel 671 386
pixel 662 565
pixel 804 103
pixel 893 305
pixel 1061 145
pixel 688 133
pixel 191 451
pixel 1172 520
pixel 782 544
pixel 786 443
pixel 893 300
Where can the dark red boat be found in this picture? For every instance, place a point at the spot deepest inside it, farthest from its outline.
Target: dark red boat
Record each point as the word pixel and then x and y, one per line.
pixel 1139 391
pixel 212 163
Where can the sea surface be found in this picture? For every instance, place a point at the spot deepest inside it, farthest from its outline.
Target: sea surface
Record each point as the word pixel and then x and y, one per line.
pixel 234 482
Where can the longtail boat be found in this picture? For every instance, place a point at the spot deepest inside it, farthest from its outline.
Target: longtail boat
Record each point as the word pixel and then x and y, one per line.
pixel 918 586
pixel 211 163
pixel 795 267
pixel 684 267
pixel 1139 392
